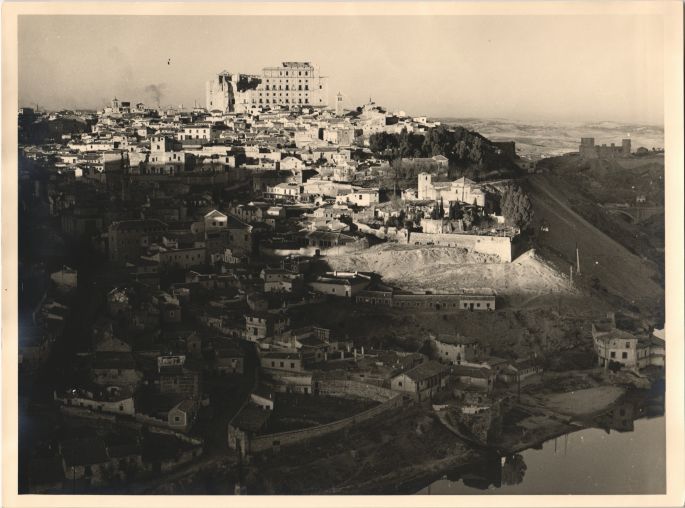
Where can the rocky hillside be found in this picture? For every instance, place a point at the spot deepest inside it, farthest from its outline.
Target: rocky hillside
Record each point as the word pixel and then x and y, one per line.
pixel 469 153
pixel 446 269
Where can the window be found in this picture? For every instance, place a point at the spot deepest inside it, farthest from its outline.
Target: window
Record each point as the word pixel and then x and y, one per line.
pixel 177 418
pixel 399 384
pixel 292 365
pixel 273 364
pixel 627 345
pixel 613 354
pixel 624 355
pixel 281 364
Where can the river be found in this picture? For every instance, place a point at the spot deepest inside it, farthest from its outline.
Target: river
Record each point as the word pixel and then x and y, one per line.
pixel 626 457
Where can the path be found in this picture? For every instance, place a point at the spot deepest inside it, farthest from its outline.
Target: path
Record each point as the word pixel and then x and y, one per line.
pixel 617 269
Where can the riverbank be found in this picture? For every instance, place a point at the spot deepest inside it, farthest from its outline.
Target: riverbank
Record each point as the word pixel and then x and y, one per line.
pixel 409 448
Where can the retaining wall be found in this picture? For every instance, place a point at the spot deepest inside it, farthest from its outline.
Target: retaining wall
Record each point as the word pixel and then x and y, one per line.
pixel 498 245
pixel 269 441
pixel 346 387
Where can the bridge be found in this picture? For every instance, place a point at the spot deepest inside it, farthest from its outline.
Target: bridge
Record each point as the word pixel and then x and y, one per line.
pixel 634 213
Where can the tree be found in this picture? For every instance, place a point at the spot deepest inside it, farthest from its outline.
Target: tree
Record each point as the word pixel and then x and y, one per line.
pixel 516 207
pixel 468 219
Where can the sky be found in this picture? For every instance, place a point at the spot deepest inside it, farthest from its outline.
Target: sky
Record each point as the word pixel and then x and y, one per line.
pixel 549 68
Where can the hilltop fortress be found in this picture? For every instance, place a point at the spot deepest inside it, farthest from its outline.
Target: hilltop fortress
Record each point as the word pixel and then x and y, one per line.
pixel 589 150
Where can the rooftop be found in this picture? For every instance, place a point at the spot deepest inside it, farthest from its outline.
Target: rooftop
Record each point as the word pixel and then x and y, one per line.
pixel 426 370
pixel 251 418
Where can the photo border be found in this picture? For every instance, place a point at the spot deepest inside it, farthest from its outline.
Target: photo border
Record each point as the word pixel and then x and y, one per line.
pixel 672 14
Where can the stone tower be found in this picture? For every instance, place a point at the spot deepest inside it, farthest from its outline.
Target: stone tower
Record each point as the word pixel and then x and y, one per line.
pixel 338 104
pixel 425 186
pixel 625 147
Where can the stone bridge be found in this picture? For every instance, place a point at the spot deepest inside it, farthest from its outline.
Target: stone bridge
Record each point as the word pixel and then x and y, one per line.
pixel 634 213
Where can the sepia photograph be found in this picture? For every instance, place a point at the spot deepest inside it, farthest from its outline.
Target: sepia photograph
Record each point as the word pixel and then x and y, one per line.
pixel 343 250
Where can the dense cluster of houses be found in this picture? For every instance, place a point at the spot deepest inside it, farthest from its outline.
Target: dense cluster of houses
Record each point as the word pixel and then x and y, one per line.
pixel 210 225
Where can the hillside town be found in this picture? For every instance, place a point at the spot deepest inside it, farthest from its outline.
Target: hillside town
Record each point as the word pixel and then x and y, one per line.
pixel 199 304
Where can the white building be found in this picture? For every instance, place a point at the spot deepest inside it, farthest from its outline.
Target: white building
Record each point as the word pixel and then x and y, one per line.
pixel 462 190
pixel 292 84
pixel 360 197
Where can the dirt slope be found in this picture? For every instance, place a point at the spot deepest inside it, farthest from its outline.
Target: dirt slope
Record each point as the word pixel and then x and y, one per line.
pixel 615 268
pixel 445 269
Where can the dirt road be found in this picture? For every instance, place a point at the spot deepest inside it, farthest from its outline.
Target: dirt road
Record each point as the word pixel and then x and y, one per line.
pixel 618 270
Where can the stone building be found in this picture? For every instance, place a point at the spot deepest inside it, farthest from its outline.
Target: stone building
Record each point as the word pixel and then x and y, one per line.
pixel 462 190
pixel 292 84
pixel 589 150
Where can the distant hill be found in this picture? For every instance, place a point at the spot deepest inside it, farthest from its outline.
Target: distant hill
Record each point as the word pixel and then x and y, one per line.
pixel 547 139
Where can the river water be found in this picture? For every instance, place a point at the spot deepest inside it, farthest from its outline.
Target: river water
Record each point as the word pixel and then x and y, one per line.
pixel 624 457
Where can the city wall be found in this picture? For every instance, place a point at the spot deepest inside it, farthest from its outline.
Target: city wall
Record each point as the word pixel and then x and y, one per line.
pixel 501 246
pixel 269 441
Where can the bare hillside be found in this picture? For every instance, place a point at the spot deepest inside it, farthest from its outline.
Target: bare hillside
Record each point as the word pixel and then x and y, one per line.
pixel 446 269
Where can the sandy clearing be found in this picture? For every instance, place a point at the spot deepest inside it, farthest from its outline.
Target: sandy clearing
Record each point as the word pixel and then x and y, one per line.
pixel 583 402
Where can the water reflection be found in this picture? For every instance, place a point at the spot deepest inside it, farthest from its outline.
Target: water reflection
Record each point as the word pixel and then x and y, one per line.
pixel 623 453
pixel 513 469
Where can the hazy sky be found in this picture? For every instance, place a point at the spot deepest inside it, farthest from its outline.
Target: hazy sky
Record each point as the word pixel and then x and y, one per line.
pixel 519 67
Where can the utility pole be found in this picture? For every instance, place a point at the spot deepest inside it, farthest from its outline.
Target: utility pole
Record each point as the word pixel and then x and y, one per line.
pixel 577 259
pixel 571 275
